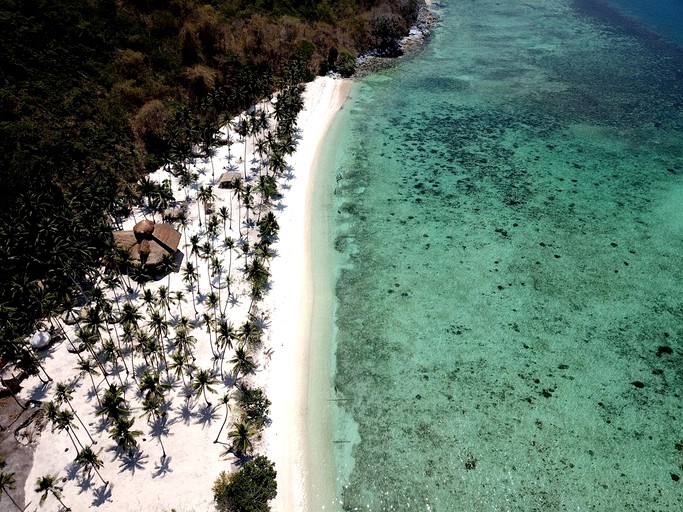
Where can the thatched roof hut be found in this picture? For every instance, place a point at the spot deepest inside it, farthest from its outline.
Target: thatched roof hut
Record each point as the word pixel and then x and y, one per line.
pixel 148 242
pixel 229 179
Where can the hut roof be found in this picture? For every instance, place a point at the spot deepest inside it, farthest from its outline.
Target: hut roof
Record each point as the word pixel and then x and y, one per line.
pixel 228 179
pixel 144 228
pixel 163 239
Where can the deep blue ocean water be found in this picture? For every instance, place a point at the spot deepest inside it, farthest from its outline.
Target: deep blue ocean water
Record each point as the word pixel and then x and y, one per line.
pixel 664 17
pixel 508 225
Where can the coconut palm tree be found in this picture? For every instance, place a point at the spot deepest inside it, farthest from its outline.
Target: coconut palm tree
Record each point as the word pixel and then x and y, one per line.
pixel 160 329
pixel 178 297
pixel 151 385
pixel 63 395
pixel 203 382
pixel 206 196
pixel 242 362
pixel 150 299
pixel 65 421
pixel 48 485
pixel 179 365
pixel 224 400
pixel 124 437
pixel 241 436
pixel 224 214
pixel 113 406
pixel 225 333
pixel 7 483
pixel 250 333
pixel 191 277
pixel 89 461
pixel 88 366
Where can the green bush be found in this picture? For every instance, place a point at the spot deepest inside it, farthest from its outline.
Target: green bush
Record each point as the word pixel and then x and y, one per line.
pixel 255 405
pixel 346 63
pixel 249 489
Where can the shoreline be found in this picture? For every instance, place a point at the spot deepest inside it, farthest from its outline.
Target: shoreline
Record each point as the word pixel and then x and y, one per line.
pixel 291 300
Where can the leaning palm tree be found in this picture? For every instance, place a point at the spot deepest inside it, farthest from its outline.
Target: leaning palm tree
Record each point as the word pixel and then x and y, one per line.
pixel 48 485
pixel 89 461
pixel 7 482
pixel 203 382
pixel 88 366
pixel 64 421
pixel 225 400
pixel 63 395
pixel 241 436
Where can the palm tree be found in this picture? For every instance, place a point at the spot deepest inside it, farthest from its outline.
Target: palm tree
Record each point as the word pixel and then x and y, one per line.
pixel 164 299
pixel 224 214
pixel 89 460
pixel 149 298
pixel 242 362
pixel 113 406
pixel 206 196
pixel 48 485
pixel 63 394
pixel 88 366
pixel 8 482
pixel 89 340
pixel 160 329
pixel 124 437
pixel 250 333
pixel 195 249
pixel 203 380
pixel 64 421
pixel 225 332
pixel 241 437
pixel 151 385
pixel 191 277
pixel 247 198
pixel 183 222
pixel 179 365
pixel 178 297
pixel 225 400
pixel 208 321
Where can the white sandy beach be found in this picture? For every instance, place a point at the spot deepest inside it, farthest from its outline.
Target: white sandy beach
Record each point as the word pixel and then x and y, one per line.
pixel 183 480
pixel 291 300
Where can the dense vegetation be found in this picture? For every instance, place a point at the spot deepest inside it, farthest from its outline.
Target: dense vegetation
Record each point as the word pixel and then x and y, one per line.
pixel 96 93
pixel 247 490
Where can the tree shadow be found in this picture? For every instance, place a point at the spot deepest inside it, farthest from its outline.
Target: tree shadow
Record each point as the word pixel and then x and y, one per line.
pixel 206 415
pixel 163 467
pixel 39 392
pixel 186 412
pixel 102 494
pixel 132 461
pixel 229 380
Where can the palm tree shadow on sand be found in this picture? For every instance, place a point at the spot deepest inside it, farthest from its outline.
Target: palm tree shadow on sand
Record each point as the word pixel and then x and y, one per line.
pixel 162 467
pixel 132 461
pixel 102 495
pixel 206 415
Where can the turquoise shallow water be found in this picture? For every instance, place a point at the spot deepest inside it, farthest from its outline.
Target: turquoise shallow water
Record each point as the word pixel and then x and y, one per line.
pixel 508 221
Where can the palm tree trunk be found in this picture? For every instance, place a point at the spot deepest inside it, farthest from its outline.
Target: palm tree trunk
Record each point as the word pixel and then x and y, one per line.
pixel 4 383
pixel 12 500
pixel 225 420
pixel 60 501
pixel 97 395
pixel 80 421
